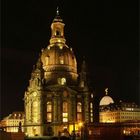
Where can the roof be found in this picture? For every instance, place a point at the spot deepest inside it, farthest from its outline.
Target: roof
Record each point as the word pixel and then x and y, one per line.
pixel 15 115
pixel 106 100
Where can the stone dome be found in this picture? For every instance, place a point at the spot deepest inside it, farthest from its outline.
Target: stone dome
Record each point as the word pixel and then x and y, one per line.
pixel 59 58
pixel 106 100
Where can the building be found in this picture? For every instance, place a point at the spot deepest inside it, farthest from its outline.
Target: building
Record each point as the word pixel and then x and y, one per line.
pixel 58 99
pixel 13 122
pixel 119 112
pixel 106 100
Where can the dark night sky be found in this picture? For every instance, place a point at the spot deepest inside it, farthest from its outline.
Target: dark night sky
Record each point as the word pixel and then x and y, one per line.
pixel 105 32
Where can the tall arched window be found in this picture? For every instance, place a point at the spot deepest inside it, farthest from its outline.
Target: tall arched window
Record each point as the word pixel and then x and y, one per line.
pixel 35 111
pixel 49 111
pixel 61 59
pixel 91 112
pixel 65 112
pixel 47 60
pixel 79 111
pixel 58 33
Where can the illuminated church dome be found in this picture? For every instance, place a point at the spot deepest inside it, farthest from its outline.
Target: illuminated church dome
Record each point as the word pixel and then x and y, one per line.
pixel 58 59
pixel 106 100
pixel 56 100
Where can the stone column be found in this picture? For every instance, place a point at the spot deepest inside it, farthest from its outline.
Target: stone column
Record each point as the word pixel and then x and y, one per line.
pixel 71 109
pixel 59 109
pixel 55 109
pixel 40 114
pixel 86 107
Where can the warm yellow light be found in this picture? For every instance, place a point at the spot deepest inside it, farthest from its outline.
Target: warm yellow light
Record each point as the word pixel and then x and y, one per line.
pixel 124 131
pixel 48 47
pixel 71 128
pixel 80 124
pixel 61 47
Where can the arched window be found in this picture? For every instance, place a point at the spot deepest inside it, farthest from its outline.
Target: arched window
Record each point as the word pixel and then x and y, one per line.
pixel 79 111
pixel 35 111
pixel 49 111
pixel 62 81
pixel 58 33
pixel 47 60
pixel 65 112
pixel 61 59
pixel 91 95
pixel 91 112
pixel 82 83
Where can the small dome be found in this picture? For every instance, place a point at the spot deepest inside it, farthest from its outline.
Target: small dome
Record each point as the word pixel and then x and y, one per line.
pixel 106 100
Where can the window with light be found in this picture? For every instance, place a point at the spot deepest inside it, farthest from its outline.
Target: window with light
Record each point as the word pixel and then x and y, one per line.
pixel 49 111
pixel 62 81
pixel 65 112
pixel 61 59
pixel 79 111
pixel 47 60
pixel 91 112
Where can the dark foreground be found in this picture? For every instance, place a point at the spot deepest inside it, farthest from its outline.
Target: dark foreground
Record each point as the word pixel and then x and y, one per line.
pixel 21 136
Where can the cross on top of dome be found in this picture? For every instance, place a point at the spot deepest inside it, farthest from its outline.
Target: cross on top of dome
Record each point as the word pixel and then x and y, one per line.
pixel 57 17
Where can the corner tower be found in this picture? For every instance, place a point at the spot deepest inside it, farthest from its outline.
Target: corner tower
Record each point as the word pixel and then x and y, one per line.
pixel 59 62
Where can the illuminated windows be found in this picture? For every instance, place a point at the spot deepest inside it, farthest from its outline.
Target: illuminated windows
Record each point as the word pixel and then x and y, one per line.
pixel 65 112
pixel 62 81
pixel 91 108
pixel 35 111
pixel 49 117
pixel 47 60
pixel 49 107
pixel 91 112
pixel 82 84
pixel 79 111
pixel 79 107
pixel 91 95
pixel 49 112
pixel 61 59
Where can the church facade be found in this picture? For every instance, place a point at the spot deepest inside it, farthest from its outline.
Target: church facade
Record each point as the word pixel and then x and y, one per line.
pixel 58 98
